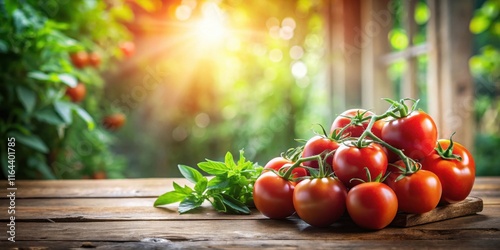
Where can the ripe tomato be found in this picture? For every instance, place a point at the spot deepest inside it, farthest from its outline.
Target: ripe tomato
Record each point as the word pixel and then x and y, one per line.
pixel 94 59
pixel 417 193
pixel 372 205
pixel 273 196
pixel 350 162
pixel 356 129
pixel 317 145
pixel 127 48
pixel 415 134
pixel 99 175
pixel 77 93
pixel 320 201
pixel 80 59
pixel 456 176
pixel 114 121
pixel 279 162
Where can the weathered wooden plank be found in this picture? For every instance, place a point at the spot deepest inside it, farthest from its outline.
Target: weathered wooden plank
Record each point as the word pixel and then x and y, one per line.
pixel 267 244
pixel 471 205
pixel 131 213
pixel 92 188
pixel 66 210
pixel 477 227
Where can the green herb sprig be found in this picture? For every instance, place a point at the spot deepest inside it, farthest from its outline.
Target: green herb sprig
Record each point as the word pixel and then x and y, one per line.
pixel 229 191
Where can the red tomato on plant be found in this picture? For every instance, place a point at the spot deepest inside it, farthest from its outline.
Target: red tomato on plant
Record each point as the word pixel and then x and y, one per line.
pixel 455 168
pixel 80 59
pixel 128 48
pixel 417 192
pixel 349 161
pixel 278 162
pixel 320 201
pixel 372 205
pixel 273 196
pixel 94 59
pixel 317 145
pixel 415 134
pixel 361 120
pixel 114 121
pixel 77 93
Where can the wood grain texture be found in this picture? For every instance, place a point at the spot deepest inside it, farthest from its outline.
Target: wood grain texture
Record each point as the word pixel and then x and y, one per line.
pixel 471 205
pixel 59 215
pixel 156 243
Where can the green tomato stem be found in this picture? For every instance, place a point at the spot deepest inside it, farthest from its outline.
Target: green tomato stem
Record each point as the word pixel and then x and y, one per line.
pixel 288 172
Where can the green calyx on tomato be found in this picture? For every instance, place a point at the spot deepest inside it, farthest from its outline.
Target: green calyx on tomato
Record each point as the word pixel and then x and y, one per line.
pixel 401 107
pixel 448 152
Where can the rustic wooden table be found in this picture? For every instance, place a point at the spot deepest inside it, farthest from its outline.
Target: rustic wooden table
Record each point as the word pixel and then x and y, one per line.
pixel 119 214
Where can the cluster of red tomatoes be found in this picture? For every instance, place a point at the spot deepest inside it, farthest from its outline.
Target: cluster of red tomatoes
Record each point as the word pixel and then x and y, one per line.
pixel 82 59
pixel 371 166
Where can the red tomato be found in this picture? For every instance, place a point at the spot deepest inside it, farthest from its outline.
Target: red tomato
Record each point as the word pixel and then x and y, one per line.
pixel 415 134
pixel 317 145
pixel 128 48
pixel 356 129
pixel 80 59
pixel 456 176
pixel 417 193
pixel 77 93
pixel 279 162
pixel 372 205
pixel 273 196
pixel 94 59
pixel 320 201
pixel 114 121
pixel 350 162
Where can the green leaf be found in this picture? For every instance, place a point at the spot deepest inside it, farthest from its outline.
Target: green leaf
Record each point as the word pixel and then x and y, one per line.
pixel 64 110
pixel 68 79
pixel 235 204
pixel 38 75
pixel 27 98
pixel 48 115
pixel 190 173
pixel 201 185
pixel 42 167
pixel 20 20
pixel 4 47
pixel 189 204
pixel 169 198
pixel 31 141
pixel 229 161
pixel 213 167
pixel 184 190
pixel 218 183
pixel 218 204
pixel 85 116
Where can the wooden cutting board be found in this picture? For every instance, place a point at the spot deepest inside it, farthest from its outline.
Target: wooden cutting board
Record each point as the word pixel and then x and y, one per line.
pixel 470 205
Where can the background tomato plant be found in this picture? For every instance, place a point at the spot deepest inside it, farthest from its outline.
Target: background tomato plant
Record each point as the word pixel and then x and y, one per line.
pixel 39 41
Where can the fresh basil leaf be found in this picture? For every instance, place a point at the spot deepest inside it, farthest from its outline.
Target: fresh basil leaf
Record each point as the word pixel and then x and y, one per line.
pixel 218 183
pixel 229 161
pixel 190 173
pixel 184 190
pixel 213 167
pixel 201 185
pixel 235 204
pixel 169 198
pixel 188 204
pixel 218 204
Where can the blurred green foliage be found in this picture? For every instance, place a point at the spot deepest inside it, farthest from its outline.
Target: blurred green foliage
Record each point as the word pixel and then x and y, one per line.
pixel 56 138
